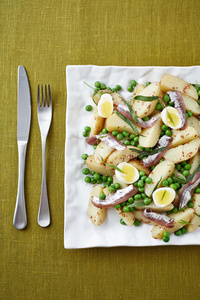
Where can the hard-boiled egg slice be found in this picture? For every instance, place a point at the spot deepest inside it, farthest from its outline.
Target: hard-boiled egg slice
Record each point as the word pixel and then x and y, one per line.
pixel 130 174
pixel 163 196
pixel 105 106
pixel 171 117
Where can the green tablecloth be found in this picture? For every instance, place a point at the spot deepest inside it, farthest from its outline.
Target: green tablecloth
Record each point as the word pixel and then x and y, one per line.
pixel 45 36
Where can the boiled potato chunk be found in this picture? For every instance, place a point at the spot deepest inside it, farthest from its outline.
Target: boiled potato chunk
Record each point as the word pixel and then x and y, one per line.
pixel 117 98
pixel 114 122
pixel 191 104
pixel 184 136
pixel 128 217
pixel 194 122
pixel 143 108
pixel 156 208
pixel 97 122
pixel 102 151
pixel 119 156
pixel 183 152
pixel 195 221
pixel 194 162
pixel 139 166
pixel 96 215
pixel 94 166
pixel 162 171
pixel 158 230
pixel 149 136
pixel 170 82
pixel 138 89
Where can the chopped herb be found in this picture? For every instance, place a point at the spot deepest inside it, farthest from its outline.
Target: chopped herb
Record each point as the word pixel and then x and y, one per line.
pixel 157 184
pixel 133 115
pixel 170 117
pixel 145 98
pixel 184 222
pixel 144 153
pixel 88 85
pixel 127 121
pixel 197 215
pixel 112 166
pixel 163 195
pixel 192 175
pixel 180 180
pixel 137 203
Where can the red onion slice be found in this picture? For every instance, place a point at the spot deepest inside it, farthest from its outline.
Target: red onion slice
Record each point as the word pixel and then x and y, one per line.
pixel 177 99
pixel 162 220
pixel 115 198
pixel 186 191
pixel 123 109
pixel 108 139
pixel 151 160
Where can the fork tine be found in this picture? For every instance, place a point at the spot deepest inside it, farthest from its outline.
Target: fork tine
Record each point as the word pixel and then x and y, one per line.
pixel 50 101
pixel 46 102
pixel 38 98
pixel 42 96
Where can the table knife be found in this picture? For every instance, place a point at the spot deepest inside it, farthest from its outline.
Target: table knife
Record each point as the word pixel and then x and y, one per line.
pixel 23 126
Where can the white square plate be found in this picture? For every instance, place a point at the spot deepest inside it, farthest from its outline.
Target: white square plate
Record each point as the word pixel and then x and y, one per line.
pixel 79 231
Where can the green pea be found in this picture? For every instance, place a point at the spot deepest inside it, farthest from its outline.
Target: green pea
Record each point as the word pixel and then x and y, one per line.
pixel 114 90
pixel 99 181
pixel 130 88
pixel 111 189
pixel 140 147
pixel 141 173
pixel 94 147
pixel 148 83
pixel 170 104
pixel 137 197
pixel 178 185
pixel 144 177
pixel 197 191
pixel 85 171
pixel 110 179
pixel 88 107
pixel 166 98
pixel 140 183
pixel 84 156
pixel 132 143
pixel 143 195
pixel 164 183
pixel 137 222
pixel 117 185
pixel 190 204
pixel 182 209
pixel 104 178
pixel 178 167
pixel 103 86
pixel 125 208
pixel 85 133
pixel 133 82
pixel 145 119
pixel 104 130
pixel 132 136
pixel 108 88
pixel 87 179
pixel 178 232
pixel 131 200
pixel 131 209
pixel 87 128
pixel 198 101
pixel 141 189
pixel 136 139
pixel 96 176
pixel 115 132
pixel 165 239
pixel 96 90
pixel 168 132
pixel 118 87
pixel 92 173
pixel 152 168
pixel 147 201
pixel 123 203
pixel 105 184
pixel 189 113
pixel 173 186
pixel 164 127
pixel 166 234
pixel 122 222
pixel 93 181
pixel 117 206
pixel 135 183
pixel 187 167
pixel 159 106
pixel 184 230
pixel 183 163
pixel 102 196
pixel 125 133
pixel 175 210
pixel 120 136
pixel 170 180
pixel 185 173
pixel 127 142
pixel 97 84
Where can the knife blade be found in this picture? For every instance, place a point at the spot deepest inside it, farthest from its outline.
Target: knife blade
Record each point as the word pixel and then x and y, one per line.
pixel 23 128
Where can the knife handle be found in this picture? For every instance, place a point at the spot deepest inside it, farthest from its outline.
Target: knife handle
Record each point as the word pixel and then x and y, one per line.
pixel 20 219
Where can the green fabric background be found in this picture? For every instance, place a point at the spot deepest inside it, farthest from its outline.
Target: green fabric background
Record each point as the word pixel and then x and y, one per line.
pixel 45 36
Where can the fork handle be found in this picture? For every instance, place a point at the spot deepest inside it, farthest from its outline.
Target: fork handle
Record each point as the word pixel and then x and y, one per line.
pixel 20 219
pixel 44 212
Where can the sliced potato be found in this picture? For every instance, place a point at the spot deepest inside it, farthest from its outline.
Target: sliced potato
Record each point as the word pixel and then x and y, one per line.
pixel 118 157
pixel 114 122
pixel 156 208
pixel 122 184
pixel 96 215
pixel 162 171
pixel 97 122
pixel 144 109
pixel 139 216
pixel 194 162
pixel 102 151
pixel 94 166
pixel 184 136
pixel 138 89
pixel 149 136
pixel 117 98
pixel 191 104
pixel 194 122
pixel 170 82
pixel 158 230
pixel 195 220
pixel 128 217
pixel 183 152
pixel 139 166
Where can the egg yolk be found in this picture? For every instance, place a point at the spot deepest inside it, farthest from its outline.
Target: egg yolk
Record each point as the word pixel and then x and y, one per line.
pixel 163 197
pixel 129 173
pixel 173 121
pixel 106 109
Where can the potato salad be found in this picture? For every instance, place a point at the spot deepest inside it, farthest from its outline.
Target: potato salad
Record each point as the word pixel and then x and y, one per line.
pixel 146 160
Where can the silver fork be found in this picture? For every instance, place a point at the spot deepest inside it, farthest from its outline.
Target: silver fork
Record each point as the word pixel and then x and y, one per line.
pixel 44 120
